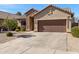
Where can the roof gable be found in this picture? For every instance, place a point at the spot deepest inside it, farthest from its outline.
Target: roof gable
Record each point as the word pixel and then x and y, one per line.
pixel 63 10
pixel 31 11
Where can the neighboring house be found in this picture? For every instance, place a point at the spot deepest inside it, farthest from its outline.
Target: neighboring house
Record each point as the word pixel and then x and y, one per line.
pixel 50 19
pixel 20 19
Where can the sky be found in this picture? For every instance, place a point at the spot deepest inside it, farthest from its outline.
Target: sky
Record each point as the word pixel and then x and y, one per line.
pixel 13 8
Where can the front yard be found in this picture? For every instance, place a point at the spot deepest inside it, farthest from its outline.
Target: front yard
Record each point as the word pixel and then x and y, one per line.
pixel 4 38
pixel 39 42
pixel 35 42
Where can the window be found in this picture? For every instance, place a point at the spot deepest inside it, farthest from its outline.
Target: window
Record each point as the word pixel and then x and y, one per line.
pixel 23 22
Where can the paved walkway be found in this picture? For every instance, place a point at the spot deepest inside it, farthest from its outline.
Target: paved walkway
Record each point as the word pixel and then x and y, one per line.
pixel 36 42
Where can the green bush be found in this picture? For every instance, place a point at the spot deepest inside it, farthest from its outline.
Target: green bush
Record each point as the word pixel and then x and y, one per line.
pixel 9 34
pixel 11 24
pixel 75 31
pixel 23 28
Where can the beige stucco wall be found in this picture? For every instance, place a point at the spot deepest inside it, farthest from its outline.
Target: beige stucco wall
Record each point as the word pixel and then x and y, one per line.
pixel 57 15
pixel 28 21
pixel 19 23
pixel 68 25
pixel 27 24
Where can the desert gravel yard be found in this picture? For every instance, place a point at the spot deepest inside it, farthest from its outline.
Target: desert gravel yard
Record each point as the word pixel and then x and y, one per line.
pixel 4 38
pixel 40 42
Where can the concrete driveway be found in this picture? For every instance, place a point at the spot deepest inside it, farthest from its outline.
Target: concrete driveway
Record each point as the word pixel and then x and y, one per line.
pixel 37 42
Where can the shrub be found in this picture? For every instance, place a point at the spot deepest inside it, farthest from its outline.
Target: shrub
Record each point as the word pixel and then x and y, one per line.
pixel 9 34
pixel 18 27
pixel 75 31
pixel 10 24
pixel 23 28
pixel 17 30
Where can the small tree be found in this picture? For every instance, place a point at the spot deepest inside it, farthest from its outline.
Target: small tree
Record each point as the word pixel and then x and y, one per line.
pixel 18 13
pixel 76 19
pixel 10 24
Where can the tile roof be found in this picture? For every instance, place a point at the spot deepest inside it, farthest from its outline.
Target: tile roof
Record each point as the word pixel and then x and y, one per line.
pixel 64 10
pixel 4 15
pixel 31 11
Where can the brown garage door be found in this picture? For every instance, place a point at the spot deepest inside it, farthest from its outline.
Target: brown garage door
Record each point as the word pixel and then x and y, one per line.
pixel 52 25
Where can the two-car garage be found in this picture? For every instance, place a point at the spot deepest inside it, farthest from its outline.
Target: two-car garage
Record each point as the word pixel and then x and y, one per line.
pixel 52 25
pixel 53 19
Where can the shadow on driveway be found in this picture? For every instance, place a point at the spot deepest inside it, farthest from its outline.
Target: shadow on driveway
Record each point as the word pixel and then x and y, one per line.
pixel 25 36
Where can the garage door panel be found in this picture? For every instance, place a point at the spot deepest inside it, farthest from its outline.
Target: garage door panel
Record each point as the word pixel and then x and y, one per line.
pixel 52 22
pixel 52 26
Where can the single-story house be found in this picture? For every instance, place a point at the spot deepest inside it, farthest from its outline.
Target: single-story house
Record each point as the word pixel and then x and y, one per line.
pixel 50 19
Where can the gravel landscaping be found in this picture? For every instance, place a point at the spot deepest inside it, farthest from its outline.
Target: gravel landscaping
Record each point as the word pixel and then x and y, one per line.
pixel 4 38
